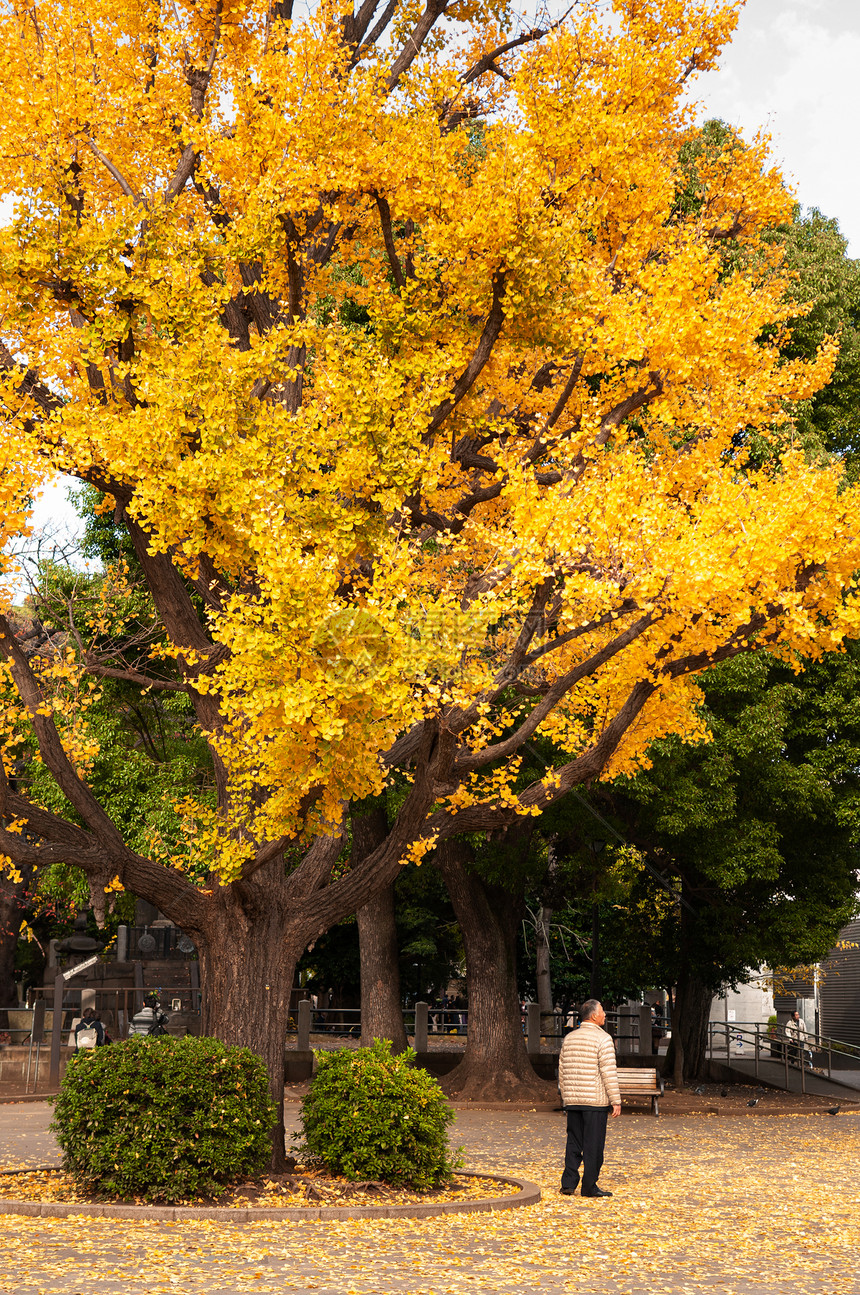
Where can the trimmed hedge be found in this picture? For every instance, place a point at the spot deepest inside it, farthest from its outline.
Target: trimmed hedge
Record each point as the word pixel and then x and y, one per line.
pixel 164 1119
pixel 369 1114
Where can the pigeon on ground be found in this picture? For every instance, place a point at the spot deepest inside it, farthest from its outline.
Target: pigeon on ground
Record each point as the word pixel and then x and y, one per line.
pixel 724 1092
pixel 834 1110
pixel 700 1091
pixel 753 1101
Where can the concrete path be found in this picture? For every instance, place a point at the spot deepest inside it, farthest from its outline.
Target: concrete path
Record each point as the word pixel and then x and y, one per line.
pixel 24 1137
pixel 727 1206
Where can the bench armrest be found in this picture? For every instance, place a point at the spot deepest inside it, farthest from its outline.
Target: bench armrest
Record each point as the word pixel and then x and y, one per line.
pixel 660 1085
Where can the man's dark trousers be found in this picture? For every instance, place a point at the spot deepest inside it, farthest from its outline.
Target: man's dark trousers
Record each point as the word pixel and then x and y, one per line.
pixel 586 1138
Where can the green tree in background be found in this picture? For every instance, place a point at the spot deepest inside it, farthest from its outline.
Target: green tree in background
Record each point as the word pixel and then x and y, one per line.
pixel 759 830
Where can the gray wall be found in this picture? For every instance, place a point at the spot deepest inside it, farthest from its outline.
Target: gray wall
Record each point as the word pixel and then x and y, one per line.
pixel 750 1002
pixel 840 988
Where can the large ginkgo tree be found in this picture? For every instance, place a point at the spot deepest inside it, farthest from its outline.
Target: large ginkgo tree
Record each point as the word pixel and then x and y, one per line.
pixel 424 390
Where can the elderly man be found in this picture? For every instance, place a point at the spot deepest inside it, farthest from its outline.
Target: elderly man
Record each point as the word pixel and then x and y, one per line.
pixel 588 1083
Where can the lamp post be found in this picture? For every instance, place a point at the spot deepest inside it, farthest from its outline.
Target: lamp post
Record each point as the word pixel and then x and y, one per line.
pixel 596 847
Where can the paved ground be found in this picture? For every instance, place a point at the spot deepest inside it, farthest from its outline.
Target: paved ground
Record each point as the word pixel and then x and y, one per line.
pixel 724 1205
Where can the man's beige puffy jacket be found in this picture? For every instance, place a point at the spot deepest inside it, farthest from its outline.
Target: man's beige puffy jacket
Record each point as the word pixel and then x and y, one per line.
pixel 587 1075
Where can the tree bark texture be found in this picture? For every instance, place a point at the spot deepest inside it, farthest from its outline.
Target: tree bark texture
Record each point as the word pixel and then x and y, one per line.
pixel 248 955
pixel 687 1053
pixel 381 1007
pixel 496 1065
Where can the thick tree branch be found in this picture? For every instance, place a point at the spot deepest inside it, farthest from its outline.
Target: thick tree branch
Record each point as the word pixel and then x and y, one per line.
pixel 188 160
pixel 347 894
pixel 388 239
pixel 379 27
pixel 637 400
pixel 31 385
pixel 539 795
pixel 483 351
pixel 624 609
pixel 114 171
pixel 559 406
pixel 487 62
pixel 414 41
pixel 355 25
pixel 51 749
pixel 467 762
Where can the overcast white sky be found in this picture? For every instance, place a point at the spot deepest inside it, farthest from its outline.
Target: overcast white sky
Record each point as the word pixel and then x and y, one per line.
pixel 794 69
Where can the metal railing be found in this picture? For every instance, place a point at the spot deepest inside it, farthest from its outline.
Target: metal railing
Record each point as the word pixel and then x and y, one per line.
pixel 625 1026
pixel 117 1006
pixel 345 1021
pixel 774 1044
pixel 424 1021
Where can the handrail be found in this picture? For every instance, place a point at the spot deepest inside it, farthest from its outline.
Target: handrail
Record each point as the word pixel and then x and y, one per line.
pixel 793 1049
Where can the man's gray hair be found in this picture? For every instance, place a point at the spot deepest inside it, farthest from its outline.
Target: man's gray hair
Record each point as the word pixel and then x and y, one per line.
pixel 589 1007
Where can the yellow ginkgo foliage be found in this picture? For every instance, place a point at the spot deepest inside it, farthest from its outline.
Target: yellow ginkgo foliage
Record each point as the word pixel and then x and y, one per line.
pixel 423 375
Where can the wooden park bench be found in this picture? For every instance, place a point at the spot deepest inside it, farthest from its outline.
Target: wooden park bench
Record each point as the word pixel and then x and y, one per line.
pixel 641 1083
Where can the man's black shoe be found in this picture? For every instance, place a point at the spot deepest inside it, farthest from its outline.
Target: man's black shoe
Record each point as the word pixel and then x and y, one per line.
pixel 598 1191
pixel 567 1191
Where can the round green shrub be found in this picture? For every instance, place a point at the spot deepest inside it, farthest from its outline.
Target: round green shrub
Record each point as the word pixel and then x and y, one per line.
pixel 164 1119
pixel 369 1114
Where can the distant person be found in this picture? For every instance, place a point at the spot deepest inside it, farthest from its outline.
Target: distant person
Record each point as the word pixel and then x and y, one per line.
pixel 89 1031
pixel 795 1032
pixel 150 1020
pixel 588 1083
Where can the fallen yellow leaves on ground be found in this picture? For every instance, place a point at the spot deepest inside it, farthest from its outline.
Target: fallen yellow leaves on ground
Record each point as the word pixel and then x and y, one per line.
pixel 728 1206
pixel 305 1187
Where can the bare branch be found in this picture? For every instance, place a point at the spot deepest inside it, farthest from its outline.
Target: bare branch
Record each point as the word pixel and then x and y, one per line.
pixel 95 667
pixel 315 867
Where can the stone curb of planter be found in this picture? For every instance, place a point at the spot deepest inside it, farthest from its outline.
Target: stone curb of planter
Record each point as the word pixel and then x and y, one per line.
pixel 528 1194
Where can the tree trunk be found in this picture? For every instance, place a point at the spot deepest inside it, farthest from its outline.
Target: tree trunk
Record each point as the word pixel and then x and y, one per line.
pixel 542 971
pixel 11 904
pixel 686 1057
pixel 381 1008
pixel 496 1066
pixel 247 966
